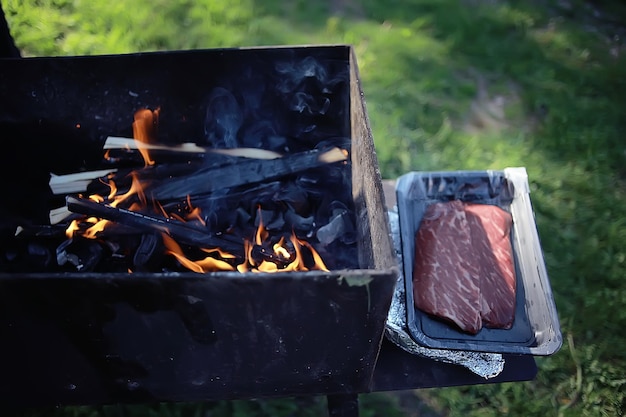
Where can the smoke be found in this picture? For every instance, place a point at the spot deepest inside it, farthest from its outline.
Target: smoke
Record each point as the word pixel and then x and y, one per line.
pixel 223 119
pixel 287 106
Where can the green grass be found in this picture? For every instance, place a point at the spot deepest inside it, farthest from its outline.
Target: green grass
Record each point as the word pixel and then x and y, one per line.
pixel 449 85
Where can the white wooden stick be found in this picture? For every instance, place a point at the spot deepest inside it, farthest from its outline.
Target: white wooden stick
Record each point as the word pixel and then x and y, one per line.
pixel 114 142
pixel 76 182
pixel 57 215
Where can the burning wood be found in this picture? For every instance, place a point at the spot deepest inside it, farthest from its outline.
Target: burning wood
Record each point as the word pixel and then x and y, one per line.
pixel 244 173
pixel 162 206
pixel 181 231
pixel 260 255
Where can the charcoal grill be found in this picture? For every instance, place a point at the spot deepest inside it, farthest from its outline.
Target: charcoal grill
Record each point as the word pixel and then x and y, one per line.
pixel 96 338
pixel 254 334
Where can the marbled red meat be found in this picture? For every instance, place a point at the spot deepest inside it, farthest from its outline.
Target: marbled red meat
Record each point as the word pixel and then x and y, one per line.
pixel 463 270
pixel 490 228
pixel 444 271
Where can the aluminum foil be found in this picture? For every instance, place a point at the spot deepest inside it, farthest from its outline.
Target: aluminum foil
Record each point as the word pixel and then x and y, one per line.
pixel 486 365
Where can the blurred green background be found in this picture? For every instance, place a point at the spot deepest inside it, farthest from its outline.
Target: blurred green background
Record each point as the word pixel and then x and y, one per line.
pixel 467 84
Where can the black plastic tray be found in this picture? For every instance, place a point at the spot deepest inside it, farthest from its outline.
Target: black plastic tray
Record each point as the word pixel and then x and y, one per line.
pixel 536 327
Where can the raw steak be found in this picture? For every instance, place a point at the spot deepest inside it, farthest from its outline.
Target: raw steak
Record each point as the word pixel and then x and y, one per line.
pixel 444 272
pixel 490 228
pixel 463 269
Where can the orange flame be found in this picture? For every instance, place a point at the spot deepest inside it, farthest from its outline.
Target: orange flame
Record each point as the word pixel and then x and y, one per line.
pixel 249 262
pixel 221 253
pixel 145 131
pixel 281 252
pixel 281 259
pixel 97 198
pixel 113 191
pixel 261 233
pixel 208 264
pixel 194 212
pixel 72 229
pixel 317 259
pixel 98 226
pixel 135 188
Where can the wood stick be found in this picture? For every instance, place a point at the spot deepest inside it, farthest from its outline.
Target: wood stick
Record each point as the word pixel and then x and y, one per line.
pixel 59 214
pixel 76 182
pixel 113 142
pixel 180 231
pixel 243 173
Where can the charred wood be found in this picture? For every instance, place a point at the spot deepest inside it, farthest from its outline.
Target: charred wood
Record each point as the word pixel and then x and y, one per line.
pixel 245 172
pixel 181 231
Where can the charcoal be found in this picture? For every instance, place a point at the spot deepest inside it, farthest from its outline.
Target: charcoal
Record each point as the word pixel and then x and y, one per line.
pixel 28 255
pixel 272 220
pixel 63 256
pixel 83 254
pixel 149 248
pixel 297 222
pixel 39 255
pixel 243 217
pixel 338 226
pixel 293 196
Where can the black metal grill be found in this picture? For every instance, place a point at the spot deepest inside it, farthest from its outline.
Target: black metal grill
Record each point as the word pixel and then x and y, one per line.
pixel 98 337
